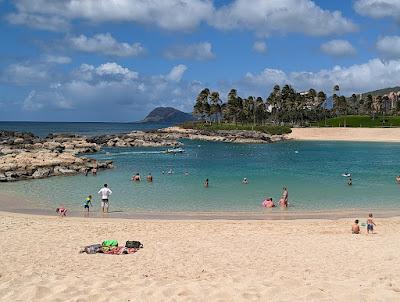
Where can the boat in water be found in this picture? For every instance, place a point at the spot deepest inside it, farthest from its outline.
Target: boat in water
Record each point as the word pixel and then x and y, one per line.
pixel 174 151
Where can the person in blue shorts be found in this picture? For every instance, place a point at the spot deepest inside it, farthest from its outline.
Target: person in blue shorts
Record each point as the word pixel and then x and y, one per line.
pixel 87 203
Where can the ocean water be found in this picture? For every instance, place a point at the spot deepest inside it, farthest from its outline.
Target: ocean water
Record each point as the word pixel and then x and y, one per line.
pixel 90 129
pixel 311 171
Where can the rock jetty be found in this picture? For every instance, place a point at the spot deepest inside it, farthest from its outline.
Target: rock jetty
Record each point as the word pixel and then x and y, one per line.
pixel 229 136
pixel 25 156
pixel 137 139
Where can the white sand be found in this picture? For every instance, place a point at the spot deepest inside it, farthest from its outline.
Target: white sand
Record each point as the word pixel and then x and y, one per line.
pixel 346 134
pixel 300 260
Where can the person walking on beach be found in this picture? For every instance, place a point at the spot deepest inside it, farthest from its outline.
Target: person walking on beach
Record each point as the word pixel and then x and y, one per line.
pixel 370 224
pixel 105 193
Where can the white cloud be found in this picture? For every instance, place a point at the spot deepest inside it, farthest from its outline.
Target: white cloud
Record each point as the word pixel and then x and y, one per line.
pixel 199 51
pixel 265 17
pixel 176 73
pixel 389 46
pixel 45 22
pixel 365 77
pixel 57 59
pixel 260 46
pixel 117 93
pixel 378 8
pixel 166 14
pixel 105 44
pixel 29 103
pixel 260 16
pixel 25 73
pixel 110 71
pixel 338 48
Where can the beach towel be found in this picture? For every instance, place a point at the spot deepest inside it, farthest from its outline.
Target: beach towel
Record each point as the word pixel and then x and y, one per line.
pixel 110 243
pixel 120 250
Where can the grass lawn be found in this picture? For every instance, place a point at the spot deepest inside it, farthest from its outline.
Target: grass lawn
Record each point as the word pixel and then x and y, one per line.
pixel 269 129
pixel 360 121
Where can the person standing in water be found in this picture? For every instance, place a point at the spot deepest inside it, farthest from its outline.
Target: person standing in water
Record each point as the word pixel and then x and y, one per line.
pixel 350 182
pixel 87 203
pixel 105 193
pixel 284 201
pixel 149 178
pixel 206 183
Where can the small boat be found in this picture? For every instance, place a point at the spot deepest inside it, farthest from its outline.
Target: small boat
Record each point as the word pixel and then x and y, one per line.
pixel 174 151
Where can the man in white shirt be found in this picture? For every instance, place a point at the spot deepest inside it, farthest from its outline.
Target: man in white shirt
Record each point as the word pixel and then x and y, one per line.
pixel 105 192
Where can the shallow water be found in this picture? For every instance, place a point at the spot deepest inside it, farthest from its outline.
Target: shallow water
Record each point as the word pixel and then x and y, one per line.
pixel 311 171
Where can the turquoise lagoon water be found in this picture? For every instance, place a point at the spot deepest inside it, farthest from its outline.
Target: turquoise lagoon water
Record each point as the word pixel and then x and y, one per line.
pixel 311 171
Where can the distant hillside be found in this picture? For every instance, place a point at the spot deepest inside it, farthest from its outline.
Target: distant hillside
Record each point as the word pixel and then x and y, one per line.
pixel 167 115
pixel 382 91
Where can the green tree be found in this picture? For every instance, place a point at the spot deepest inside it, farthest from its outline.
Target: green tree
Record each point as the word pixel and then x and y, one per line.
pixel 215 109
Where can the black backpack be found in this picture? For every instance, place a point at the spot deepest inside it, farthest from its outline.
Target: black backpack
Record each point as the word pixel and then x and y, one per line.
pixel 133 244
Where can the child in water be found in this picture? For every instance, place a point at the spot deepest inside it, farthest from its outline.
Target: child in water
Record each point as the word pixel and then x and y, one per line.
pixel 62 212
pixel 87 203
pixel 370 224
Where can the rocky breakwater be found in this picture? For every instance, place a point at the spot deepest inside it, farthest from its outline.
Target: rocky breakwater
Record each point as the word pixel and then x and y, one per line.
pixel 25 156
pixel 230 136
pixel 137 139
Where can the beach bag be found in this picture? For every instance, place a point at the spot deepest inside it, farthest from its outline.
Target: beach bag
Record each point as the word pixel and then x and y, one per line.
pixel 109 243
pixel 92 249
pixel 134 244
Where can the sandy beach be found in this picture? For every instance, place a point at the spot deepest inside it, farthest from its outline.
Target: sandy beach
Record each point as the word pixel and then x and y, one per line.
pixel 346 134
pixel 190 260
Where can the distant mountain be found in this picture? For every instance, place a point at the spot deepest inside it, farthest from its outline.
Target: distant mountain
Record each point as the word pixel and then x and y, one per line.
pixel 167 115
pixel 382 91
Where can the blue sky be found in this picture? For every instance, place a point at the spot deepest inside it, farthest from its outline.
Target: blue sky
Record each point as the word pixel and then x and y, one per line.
pixel 99 60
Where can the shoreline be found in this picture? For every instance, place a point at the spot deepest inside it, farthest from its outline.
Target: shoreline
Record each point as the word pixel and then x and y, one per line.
pixel 23 207
pixel 382 135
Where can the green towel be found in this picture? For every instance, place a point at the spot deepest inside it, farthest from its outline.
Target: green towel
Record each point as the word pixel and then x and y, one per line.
pixel 110 243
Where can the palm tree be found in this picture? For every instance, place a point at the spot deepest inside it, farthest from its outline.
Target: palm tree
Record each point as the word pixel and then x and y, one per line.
pixel 215 109
pixel 232 106
pixel 322 102
pixel 368 105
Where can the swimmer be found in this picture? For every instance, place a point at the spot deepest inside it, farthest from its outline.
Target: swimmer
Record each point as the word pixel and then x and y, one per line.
pixel 206 183
pixel 61 211
pixel 245 181
pixel 268 203
pixel 136 177
pixel 149 178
